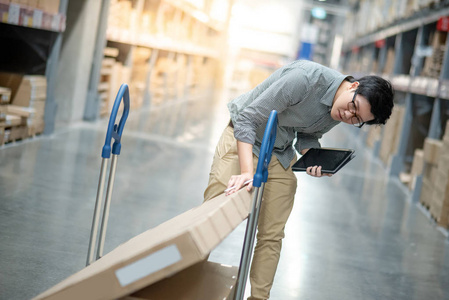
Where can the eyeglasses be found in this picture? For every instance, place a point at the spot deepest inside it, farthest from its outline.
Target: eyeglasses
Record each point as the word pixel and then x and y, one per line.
pixel 355 119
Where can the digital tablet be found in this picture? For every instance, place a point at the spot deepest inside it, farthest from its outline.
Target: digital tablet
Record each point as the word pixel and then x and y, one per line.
pixel 330 159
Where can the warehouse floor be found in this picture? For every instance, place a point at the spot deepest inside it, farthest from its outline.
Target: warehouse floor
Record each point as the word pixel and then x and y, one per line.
pixel 353 236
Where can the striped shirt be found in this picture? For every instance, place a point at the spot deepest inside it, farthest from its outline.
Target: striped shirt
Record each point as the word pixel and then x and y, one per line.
pixel 302 92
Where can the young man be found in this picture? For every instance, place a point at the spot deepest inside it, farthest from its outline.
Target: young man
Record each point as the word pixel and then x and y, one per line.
pixel 310 99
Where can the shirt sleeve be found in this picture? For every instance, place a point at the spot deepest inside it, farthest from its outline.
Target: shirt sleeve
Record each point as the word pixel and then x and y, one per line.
pixel 284 92
pixel 307 141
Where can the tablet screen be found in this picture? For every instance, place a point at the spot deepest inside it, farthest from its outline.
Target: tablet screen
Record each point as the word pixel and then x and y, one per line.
pixel 330 159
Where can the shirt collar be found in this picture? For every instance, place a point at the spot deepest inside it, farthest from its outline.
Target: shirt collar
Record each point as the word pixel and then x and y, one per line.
pixel 328 97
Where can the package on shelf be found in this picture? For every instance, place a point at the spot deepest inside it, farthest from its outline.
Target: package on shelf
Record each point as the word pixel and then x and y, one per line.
pixel 389 63
pixel 433 64
pixel 104 85
pixel 120 74
pixel 28 92
pixel 51 6
pixel 139 73
pixel 164 80
pixel 417 167
pixel 391 134
pixel 5 95
pixel 435 189
pixel 119 20
pixel 432 150
pixel 373 135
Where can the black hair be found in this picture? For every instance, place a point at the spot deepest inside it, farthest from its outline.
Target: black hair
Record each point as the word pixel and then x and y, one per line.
pixel 380 94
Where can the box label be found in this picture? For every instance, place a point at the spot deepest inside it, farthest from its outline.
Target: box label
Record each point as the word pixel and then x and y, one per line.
pixel 148 265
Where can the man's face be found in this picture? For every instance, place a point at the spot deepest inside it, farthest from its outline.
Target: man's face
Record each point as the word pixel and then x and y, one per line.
pixel 351 108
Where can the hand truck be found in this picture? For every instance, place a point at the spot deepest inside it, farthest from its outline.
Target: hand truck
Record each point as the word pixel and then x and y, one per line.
pixel 114 131
pixel 260 178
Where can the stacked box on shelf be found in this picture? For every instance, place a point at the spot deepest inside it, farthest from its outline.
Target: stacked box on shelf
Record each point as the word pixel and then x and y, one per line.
pixel 433 64
pixel 139 74
pixel 373 135
pixel 439 203
pixel 5 97
pixel 49 6
pixel 163 81
pixel 25 115
pixel 431 156
pixel 119 20
pixel 417 167
pixel 391 134
pixel 104 84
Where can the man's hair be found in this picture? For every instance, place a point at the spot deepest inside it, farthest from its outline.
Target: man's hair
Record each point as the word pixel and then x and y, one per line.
pixel 380 94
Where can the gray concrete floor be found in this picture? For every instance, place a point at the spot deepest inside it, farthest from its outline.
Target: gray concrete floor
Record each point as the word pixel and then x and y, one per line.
pixel 355 235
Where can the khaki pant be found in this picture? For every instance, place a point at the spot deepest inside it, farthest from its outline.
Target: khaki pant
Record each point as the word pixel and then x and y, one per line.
pixel 277 204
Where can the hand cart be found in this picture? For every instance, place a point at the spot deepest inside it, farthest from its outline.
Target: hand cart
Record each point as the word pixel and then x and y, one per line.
pixel 114 131
pixel 260 178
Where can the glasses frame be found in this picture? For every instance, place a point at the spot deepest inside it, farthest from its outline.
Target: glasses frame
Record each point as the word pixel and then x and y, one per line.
pixel 354 113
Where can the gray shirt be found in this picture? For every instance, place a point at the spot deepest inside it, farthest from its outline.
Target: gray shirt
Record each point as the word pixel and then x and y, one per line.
pixel 302 92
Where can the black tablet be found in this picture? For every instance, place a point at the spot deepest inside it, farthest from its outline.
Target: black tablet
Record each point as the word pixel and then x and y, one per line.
pixel 330 159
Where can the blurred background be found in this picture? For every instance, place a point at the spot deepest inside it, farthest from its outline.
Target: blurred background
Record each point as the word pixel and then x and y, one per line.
pixel 62 63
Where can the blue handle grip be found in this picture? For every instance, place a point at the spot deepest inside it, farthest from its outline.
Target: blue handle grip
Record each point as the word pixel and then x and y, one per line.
pixel 269 137
pixel 114 130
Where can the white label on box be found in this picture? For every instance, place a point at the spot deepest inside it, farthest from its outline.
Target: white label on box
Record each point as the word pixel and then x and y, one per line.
pixel 37 19
pixel 148 265
pixel 14 14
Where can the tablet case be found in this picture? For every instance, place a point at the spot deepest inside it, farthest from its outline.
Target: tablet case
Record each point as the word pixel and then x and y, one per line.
pixel 330 159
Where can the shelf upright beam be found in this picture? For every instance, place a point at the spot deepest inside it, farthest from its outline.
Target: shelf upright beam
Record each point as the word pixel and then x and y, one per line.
pixel 51 73
pixel 397 162
pixel 92 108
pixel 417 63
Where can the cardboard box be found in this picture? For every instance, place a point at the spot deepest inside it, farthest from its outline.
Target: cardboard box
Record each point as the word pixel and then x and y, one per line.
pixel 50 6
pixel 24 89
pixel 19 110
pixel 5 95
pixel 204 280
pixel 432 149
pixel 157 253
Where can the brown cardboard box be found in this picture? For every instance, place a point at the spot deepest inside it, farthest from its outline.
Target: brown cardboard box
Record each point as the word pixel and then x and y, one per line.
pixel 204 280
pixel 50 6
pixel 24 89
pixel 5 95
pixel 432 149
pixel 157 253
pixel 417 167
pixel 19 110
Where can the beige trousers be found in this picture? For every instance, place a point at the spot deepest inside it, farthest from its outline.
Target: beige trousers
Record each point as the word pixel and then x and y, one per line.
pixel 277 204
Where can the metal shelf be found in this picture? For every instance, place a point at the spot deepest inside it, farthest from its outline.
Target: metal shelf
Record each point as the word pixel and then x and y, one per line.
pixel 15 14
pixel 160 43
pixel 417 20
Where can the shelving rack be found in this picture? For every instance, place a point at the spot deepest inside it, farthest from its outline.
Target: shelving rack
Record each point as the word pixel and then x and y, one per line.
pixel 174 32
pixel 394 42
pixel 37 35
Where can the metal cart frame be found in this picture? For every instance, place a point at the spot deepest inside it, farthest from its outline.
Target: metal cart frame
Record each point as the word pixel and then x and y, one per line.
pixel 114 132
pixel 260 178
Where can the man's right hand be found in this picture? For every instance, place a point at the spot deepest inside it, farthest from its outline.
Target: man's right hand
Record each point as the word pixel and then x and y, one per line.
pixel 238 181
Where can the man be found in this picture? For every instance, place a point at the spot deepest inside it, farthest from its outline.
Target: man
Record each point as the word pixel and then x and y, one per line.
pixel 310 100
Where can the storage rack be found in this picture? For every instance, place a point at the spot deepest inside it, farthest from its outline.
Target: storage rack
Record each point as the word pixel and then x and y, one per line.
pixel 398 52
pixel 41 33
pixel 156 29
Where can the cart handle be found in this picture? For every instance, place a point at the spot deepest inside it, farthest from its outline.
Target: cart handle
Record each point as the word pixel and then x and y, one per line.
pixel 114 130
pixel 265 150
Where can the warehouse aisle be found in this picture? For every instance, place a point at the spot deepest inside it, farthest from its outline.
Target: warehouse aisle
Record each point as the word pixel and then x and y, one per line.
pixel 352 236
